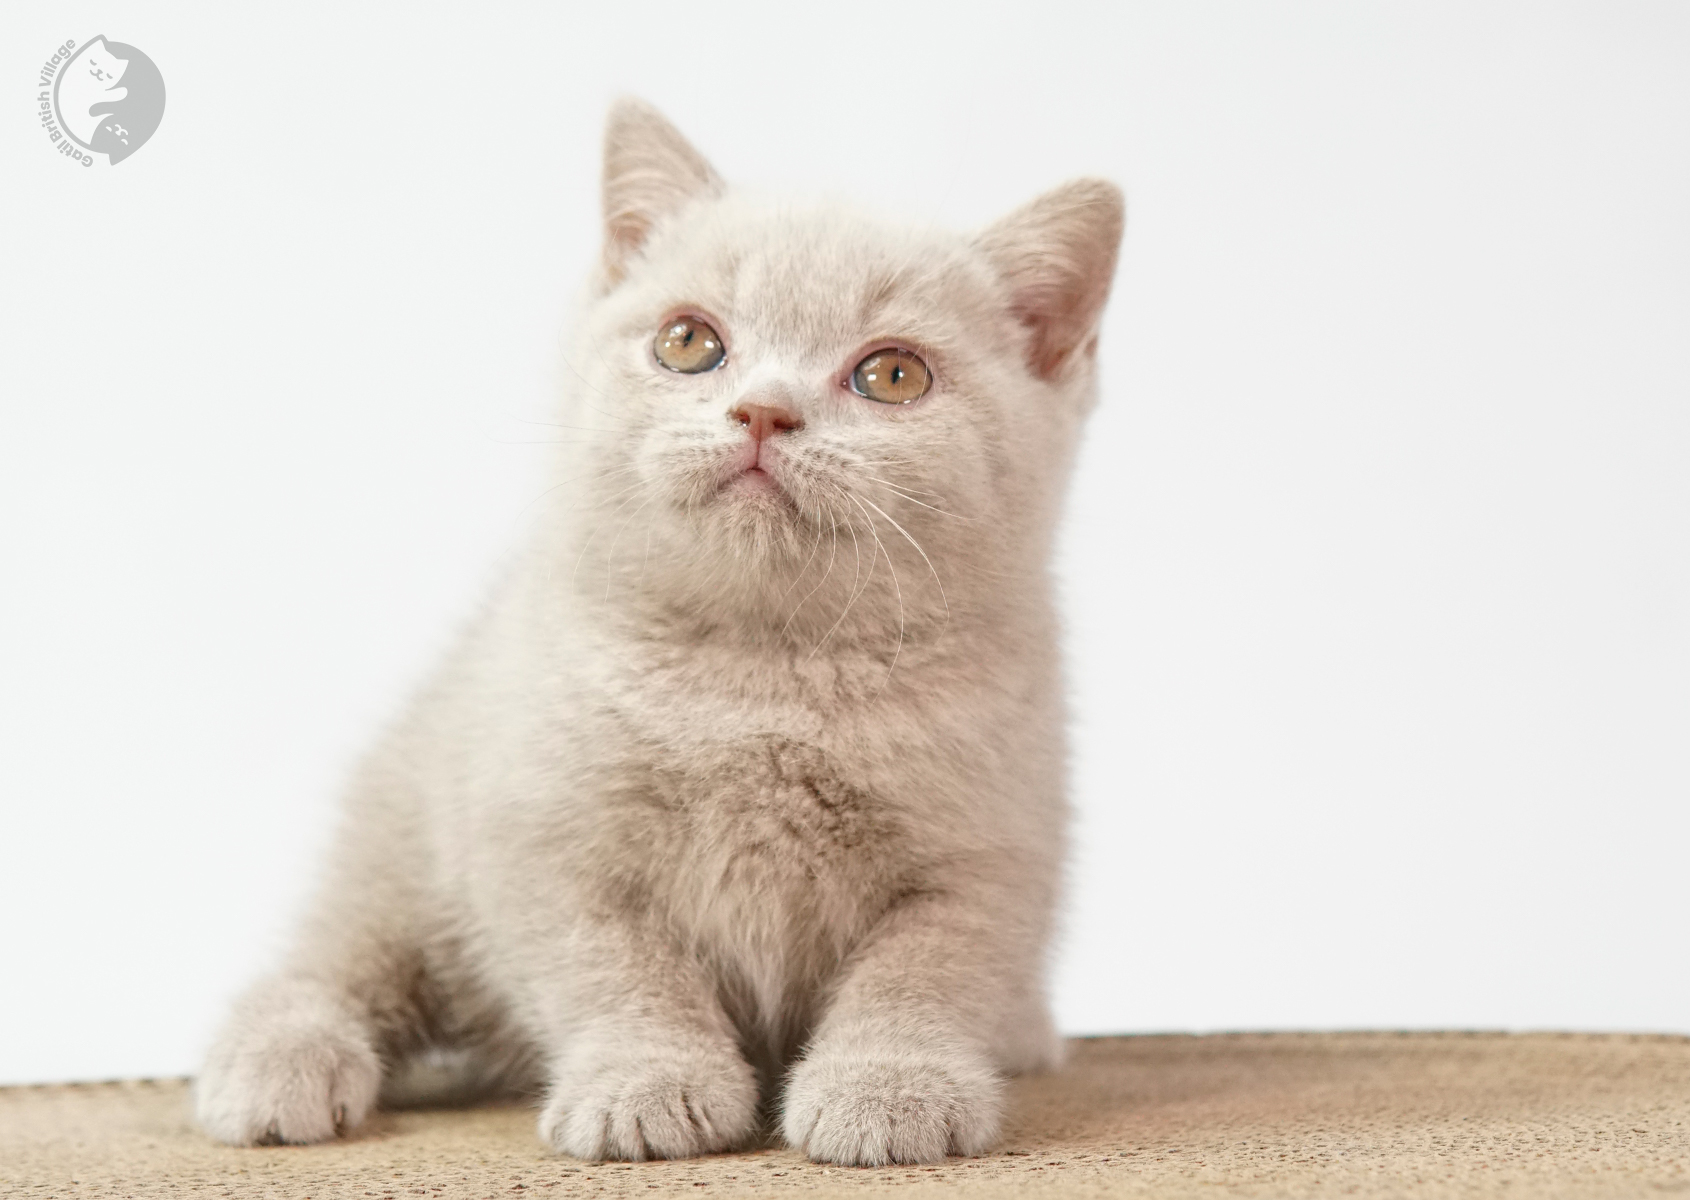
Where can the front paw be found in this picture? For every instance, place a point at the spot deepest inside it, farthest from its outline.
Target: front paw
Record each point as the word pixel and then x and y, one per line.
pixel 651 1103
pixel 292 1065
pixel 872 1105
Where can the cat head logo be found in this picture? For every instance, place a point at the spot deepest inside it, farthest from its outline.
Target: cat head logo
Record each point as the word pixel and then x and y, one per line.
pixel 108 98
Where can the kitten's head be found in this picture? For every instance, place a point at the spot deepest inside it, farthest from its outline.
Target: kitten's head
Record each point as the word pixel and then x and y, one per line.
pixel 800 403
pixel 99 66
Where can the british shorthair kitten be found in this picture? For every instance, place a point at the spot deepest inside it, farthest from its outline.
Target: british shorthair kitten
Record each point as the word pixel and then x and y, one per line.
pixel 742 801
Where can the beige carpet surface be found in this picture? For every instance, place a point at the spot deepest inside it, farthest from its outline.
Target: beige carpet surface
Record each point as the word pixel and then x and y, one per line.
pixel 1274 1115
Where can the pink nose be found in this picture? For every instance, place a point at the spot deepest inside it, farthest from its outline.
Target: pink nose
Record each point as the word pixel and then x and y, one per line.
pixel 765 420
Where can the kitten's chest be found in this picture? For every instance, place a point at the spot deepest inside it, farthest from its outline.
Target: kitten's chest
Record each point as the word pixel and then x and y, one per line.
pixel 774 860
pixel 771 808
pixel 768 838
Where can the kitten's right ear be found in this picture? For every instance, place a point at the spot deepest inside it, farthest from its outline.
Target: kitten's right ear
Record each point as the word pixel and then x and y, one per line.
pixel 650 172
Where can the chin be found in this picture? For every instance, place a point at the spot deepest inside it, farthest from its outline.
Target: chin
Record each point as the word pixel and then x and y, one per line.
pixel 753 513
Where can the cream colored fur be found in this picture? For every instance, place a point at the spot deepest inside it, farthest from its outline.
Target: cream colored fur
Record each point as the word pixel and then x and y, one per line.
pixel 734 808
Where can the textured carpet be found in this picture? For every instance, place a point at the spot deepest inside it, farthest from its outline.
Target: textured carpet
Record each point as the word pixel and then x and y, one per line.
pixel 1275 1115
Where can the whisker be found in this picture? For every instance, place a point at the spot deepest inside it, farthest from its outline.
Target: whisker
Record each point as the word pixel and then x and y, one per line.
pixel 906 487
pixel 610 555
pixel 799 576
pixel 589 384
pixel 920 551
pixel 896 591
pixel 559 425
pixel 610 474
pixel 541 442
pixel 893 488
pixel 595 530
pixel 855 593
pixel 833 522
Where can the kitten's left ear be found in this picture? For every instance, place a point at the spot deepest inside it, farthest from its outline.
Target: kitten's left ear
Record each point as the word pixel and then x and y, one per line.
pixel 650 172
pixel 1057 256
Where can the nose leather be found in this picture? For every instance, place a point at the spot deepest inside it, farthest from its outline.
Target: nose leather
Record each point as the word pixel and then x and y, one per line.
pixel 763 421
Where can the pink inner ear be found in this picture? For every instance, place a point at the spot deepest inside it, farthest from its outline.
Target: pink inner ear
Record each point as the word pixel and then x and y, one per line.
pixel 650 172
pixel 1061 314
pixel 1058 256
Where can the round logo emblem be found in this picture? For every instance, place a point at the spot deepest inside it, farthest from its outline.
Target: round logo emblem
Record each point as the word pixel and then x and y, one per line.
pixel 103 97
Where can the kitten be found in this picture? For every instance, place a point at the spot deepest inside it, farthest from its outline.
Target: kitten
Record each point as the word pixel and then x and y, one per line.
pixel 92 78
pixel 744 797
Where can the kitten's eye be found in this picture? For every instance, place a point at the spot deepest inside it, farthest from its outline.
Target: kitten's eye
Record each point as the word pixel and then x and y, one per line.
pixel 689 346
pixel 891 377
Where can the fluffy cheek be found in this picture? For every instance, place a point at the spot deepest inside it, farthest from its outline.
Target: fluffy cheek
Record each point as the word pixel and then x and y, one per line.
pixel 681 466
pixel 926 469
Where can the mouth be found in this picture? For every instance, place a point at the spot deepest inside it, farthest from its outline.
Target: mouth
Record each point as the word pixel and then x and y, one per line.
pixel 754 481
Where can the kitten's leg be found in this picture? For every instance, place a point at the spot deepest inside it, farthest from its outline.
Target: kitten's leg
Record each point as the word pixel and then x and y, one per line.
pixel 294 1063
pixel 1025 1040
pixel 904 1066
pixel 300 1057
pixel 646 1063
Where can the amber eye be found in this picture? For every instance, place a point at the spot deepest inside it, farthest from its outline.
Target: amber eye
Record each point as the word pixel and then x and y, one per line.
pixel 891 377
pixel 689 346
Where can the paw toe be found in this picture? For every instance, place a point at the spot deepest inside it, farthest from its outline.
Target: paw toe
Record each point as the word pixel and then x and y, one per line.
pixel 649 1108
pixel 871 1110
pixel 290 1073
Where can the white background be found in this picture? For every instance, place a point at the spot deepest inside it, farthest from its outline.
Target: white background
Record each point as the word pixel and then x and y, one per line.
pixel 1376 568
